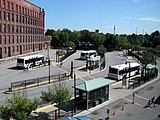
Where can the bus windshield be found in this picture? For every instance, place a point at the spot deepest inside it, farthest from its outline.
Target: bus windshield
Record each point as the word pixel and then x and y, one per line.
pixel 20 60
pixel 113 70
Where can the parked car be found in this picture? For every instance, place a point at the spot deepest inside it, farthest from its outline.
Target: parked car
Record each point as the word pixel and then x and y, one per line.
pixel 77 118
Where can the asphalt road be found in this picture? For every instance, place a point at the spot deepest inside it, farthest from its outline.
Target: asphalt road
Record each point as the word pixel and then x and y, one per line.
pixel 9 74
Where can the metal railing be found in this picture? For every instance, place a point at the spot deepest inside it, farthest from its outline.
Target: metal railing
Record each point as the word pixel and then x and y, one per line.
pixel 37 82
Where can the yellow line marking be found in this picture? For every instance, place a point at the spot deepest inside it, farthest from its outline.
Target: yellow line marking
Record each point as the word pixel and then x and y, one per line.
pixel 116 83
pixel 49 106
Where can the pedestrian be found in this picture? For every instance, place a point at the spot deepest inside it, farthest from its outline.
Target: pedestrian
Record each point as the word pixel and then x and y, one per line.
pixel 148 104
pixel 61 63
pixel 153 101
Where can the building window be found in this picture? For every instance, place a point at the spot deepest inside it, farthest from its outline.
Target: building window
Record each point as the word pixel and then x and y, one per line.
pixel 12 28
pixel 23 10
pixel 3 15
pixel 19 9
pixel 8 39
pixel 8 5
pixel 0 28
pixel 23 38
pixel 17 48
pixel 12 6
pixel 12 16
pixel 16 28
pixel 4 39
pixel 17 39
pixel 8 27
pixel 20 18
pixel 20 38
pixel 16 18
pixel 28 21
pixel 20 29
pixel 16 8
pixel 3 4
pixel 25 19
pixel 26 38
pixel 26 47
pixel 12 49
pixel 8 16
pixel 23 47
pixel 0 14
pixel 5 51
pixel 0 39
pixel 4 28
pixel 12 38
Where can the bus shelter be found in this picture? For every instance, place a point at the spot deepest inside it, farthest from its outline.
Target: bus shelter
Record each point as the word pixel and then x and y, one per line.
pixel 93 62
pixel 151 71
pixel 93 92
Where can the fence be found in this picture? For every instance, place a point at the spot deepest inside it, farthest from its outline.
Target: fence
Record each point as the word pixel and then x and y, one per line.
pixel 67 55
pixel 37 82
pixel 141 80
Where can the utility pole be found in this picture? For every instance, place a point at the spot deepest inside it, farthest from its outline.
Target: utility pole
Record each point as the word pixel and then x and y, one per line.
pixel 136 30
pixel 114 30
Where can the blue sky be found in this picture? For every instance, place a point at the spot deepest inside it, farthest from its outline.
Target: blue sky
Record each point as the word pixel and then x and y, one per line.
pixel 126 15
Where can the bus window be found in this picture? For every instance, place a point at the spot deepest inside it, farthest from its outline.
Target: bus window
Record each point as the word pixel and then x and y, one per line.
pixel 20 61
pixel 112 70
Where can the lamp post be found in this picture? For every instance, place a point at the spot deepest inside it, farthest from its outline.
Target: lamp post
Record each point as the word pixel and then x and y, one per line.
pixel 74 92
pixel 49 78
pixel 129 72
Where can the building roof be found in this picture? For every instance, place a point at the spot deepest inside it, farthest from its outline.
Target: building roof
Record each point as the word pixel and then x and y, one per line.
pixel 93 84
pixel 150 66
pixel 94 58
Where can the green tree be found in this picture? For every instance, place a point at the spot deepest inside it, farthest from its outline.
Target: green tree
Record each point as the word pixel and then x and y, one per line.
pixel 98 39
pixel 101 50
pixel 17 107
pixel 156 41
pixel 71 44
pixel 63 38
pixel 57 93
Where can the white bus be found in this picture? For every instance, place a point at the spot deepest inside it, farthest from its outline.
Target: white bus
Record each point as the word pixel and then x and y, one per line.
pixel 86 54
pixel 123 70
pixel 30 61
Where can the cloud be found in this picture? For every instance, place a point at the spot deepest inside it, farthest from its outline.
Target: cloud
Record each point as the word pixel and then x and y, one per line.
pixel 149 19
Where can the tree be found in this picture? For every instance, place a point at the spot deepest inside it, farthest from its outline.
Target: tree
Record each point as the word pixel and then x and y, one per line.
pixel 156 41
pixel 71 44
pixel 101 50
pixel 17 107
pixel 57 93
pixel 63 38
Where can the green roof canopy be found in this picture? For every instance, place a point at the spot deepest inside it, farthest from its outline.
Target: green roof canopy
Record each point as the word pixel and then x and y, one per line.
pixel 92 58
pixel 150 66
pixel 94 84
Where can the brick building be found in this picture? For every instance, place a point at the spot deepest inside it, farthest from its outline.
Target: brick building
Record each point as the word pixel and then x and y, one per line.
pixel 21 28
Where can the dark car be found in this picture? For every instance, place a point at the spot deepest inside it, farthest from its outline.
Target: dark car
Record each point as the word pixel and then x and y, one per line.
pixel 77 118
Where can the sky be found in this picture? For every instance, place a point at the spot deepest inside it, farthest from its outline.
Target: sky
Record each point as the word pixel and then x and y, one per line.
pixel 128 16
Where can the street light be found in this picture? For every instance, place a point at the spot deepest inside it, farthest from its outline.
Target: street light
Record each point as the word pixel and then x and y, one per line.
pixel 49 67
pixel 129 67
pixel 74 92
